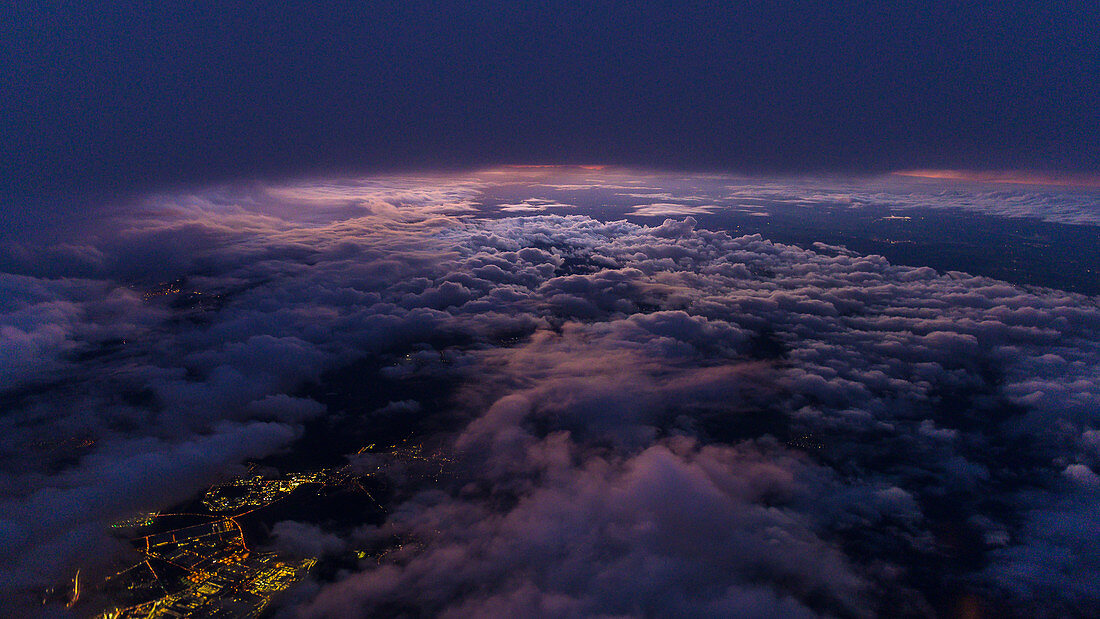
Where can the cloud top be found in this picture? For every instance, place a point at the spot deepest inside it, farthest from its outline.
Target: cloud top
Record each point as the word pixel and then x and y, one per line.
pixel 645 419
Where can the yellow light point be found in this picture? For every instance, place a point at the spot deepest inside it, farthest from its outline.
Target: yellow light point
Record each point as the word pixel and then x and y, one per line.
pixel 76 590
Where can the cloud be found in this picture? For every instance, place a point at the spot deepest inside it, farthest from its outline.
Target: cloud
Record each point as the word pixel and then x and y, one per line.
pixel 1066 205
pixel 675 529
pixel 298 539
pixel 645 419
pixel 1021 177
pixel 531 205
pixel 668 209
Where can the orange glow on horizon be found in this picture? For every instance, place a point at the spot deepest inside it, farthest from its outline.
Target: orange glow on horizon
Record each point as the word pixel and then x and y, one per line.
pixel 552 166
pixel 537 171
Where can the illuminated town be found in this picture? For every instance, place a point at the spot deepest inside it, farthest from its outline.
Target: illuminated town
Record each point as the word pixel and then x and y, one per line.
pixel 207 560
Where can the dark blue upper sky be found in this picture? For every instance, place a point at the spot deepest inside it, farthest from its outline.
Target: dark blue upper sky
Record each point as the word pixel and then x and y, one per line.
pixel 100 99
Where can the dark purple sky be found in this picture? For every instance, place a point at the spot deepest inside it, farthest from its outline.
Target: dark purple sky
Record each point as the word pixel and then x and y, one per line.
pixel 101 98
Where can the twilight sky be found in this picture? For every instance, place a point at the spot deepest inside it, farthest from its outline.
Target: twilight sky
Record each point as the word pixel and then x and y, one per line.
pixel 107 98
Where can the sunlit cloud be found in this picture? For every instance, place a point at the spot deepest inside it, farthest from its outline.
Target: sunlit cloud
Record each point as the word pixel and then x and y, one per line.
pixel 671 209
pixel 1017 177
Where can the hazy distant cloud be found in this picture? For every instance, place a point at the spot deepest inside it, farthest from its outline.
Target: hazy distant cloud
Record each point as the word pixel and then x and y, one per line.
pixel 530 205
pixel 691 194
pixel 1014 177
pixel 1068 205
pixel 671 209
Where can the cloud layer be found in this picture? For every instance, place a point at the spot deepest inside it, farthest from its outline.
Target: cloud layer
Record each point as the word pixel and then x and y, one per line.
pixel 650 420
